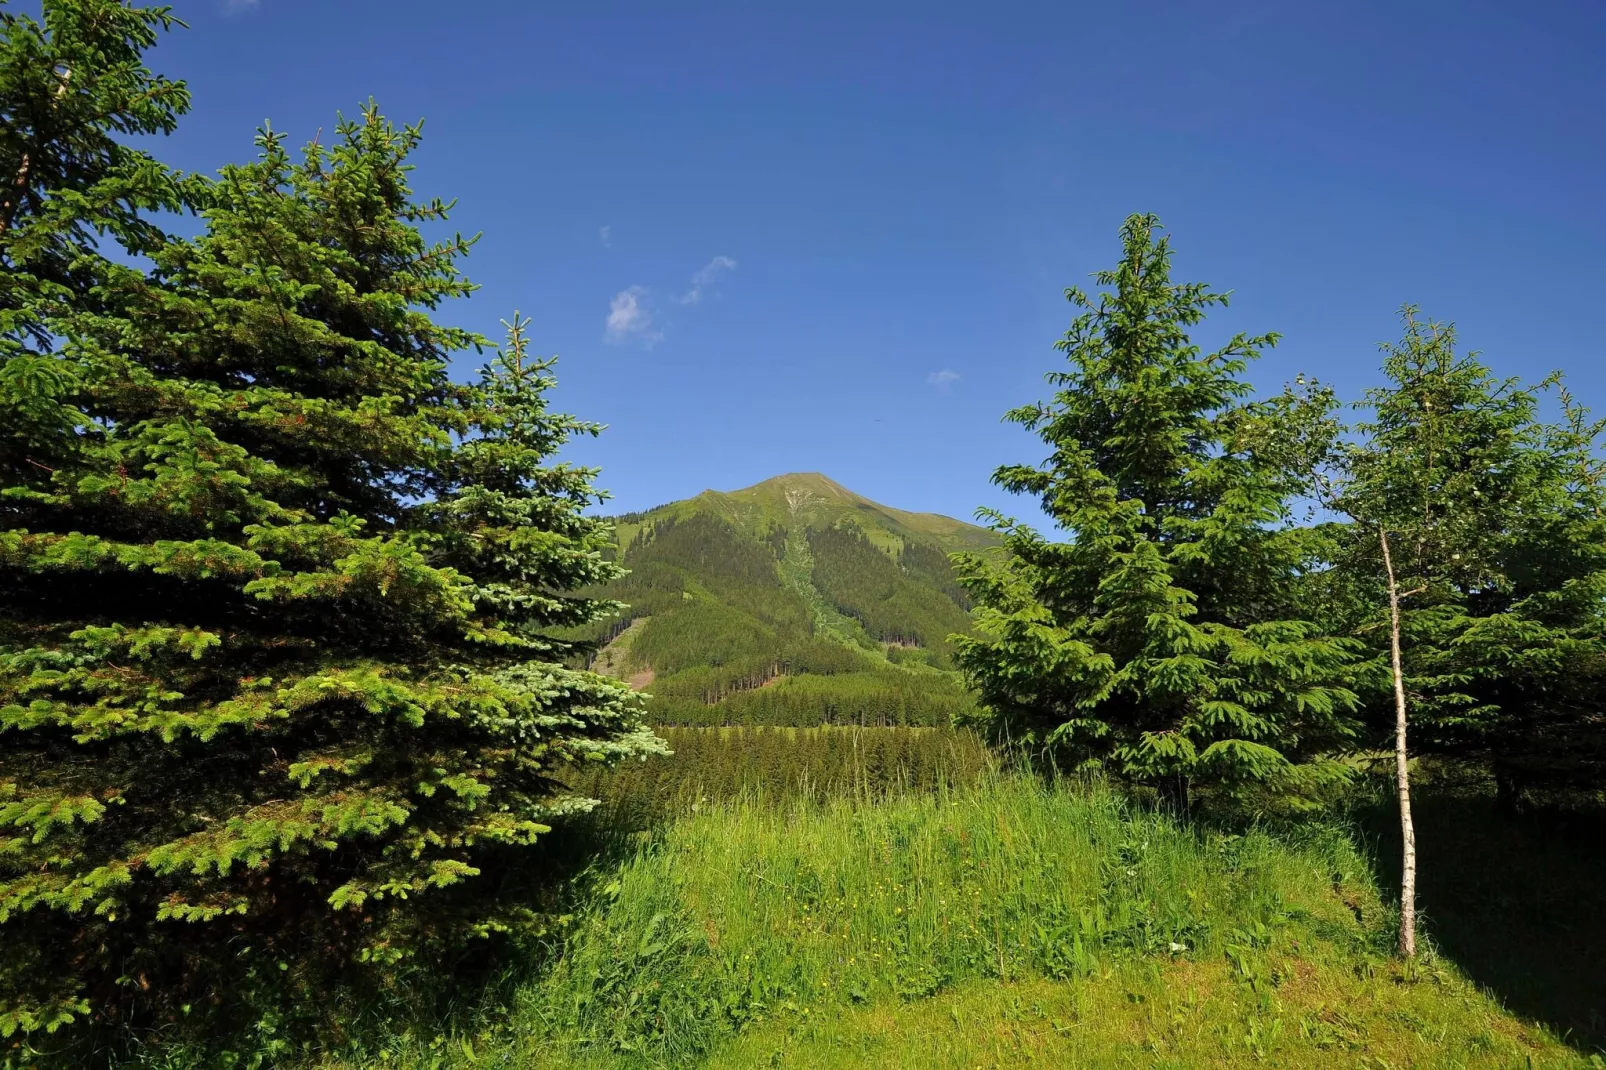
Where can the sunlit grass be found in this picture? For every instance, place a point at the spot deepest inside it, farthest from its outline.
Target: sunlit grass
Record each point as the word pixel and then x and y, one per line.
pixel 1166 1015
pixel 1002 924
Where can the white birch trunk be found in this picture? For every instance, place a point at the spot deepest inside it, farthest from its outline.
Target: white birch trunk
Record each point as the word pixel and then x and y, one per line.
pixel 1402 772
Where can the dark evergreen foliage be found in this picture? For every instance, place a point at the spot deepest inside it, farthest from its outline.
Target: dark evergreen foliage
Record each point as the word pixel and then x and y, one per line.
pixel 279 695
pixel 932 565
pixel 1496 520
pixel 73 88
pixel 867 584
pixel 724 640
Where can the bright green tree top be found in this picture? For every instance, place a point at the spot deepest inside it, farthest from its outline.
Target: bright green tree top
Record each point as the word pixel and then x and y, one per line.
pixel 1164 636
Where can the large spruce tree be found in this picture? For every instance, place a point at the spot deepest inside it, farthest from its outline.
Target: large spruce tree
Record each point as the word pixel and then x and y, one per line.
pixel 277 694
pixel 1164 638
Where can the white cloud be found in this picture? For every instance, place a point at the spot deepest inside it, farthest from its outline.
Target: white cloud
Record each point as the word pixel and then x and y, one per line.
pixel 705 277
pixel 630 319
pixel 606 234
pixel 943 380
pixel 631 316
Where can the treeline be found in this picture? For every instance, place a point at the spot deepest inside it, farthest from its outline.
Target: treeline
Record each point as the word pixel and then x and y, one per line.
pixel 933 566
pixel 713 683
pixel 864 698
pixel 783 763
pixel 1197 629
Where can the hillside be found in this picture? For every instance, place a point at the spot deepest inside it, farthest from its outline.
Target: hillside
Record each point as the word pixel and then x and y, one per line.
pixel 793 602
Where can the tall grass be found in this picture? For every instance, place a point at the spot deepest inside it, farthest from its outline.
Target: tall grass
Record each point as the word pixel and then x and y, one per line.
pixel 754 910
pixel 777 764
pixel 1001 921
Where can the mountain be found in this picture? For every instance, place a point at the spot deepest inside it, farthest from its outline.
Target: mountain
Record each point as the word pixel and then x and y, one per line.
pixel 795 601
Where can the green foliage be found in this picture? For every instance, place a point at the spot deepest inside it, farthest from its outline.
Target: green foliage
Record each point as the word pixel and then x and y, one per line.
pixel 932 565
pixel 73 90
pixel 1165 638
pixel 712 554
pixel 734 618
pixel 709 633
pixel 280 697
pixel 1494 517
pixel 710 597
pixel 865 583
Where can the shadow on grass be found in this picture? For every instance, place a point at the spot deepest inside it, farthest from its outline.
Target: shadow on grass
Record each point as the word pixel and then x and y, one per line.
pixel 1517 901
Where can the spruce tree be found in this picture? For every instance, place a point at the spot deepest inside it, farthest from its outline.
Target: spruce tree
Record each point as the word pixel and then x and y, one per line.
pixel 1163 638
pixel 73 88
pixel 278 692
pixel 1475 563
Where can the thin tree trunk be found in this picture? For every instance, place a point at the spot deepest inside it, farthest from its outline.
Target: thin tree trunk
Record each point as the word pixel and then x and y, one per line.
pixel 19 186
pixel 1175 796
pixel 1508 791
pixel 1402 772
pixel 8 209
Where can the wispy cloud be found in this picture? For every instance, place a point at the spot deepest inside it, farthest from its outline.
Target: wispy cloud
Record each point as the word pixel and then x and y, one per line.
pixel 705 278
pixel 630 319
pixel 943 380
pixel 631 315
pixel 606 234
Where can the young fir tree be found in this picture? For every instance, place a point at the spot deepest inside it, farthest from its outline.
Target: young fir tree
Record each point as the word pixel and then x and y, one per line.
pixel 276 692
pixel 1164 638
pixel 1477 552
pixel 1543 642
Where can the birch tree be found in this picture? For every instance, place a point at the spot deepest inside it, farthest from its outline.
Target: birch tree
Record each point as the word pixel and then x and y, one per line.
pixel 1437 490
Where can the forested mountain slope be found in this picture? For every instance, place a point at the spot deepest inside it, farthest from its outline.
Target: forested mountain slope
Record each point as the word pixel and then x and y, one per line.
pixel 795 601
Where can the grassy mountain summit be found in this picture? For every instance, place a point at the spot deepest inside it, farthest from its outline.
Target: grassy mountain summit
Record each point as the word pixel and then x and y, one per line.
pixel 793 601
pixel 817 500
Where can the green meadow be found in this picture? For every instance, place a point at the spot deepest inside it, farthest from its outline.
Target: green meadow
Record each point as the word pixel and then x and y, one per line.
pixel 1002 922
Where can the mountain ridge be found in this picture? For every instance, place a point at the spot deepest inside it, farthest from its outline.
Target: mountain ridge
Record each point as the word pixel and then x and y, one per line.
pixel 795 600
pixel 813 497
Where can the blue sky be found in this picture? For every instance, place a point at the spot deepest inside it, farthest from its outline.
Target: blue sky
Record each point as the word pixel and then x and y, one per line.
pixel 837 240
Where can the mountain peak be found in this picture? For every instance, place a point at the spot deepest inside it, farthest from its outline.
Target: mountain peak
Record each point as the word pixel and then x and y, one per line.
pixel 816 498
pixel 807 482
pixel 812 499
